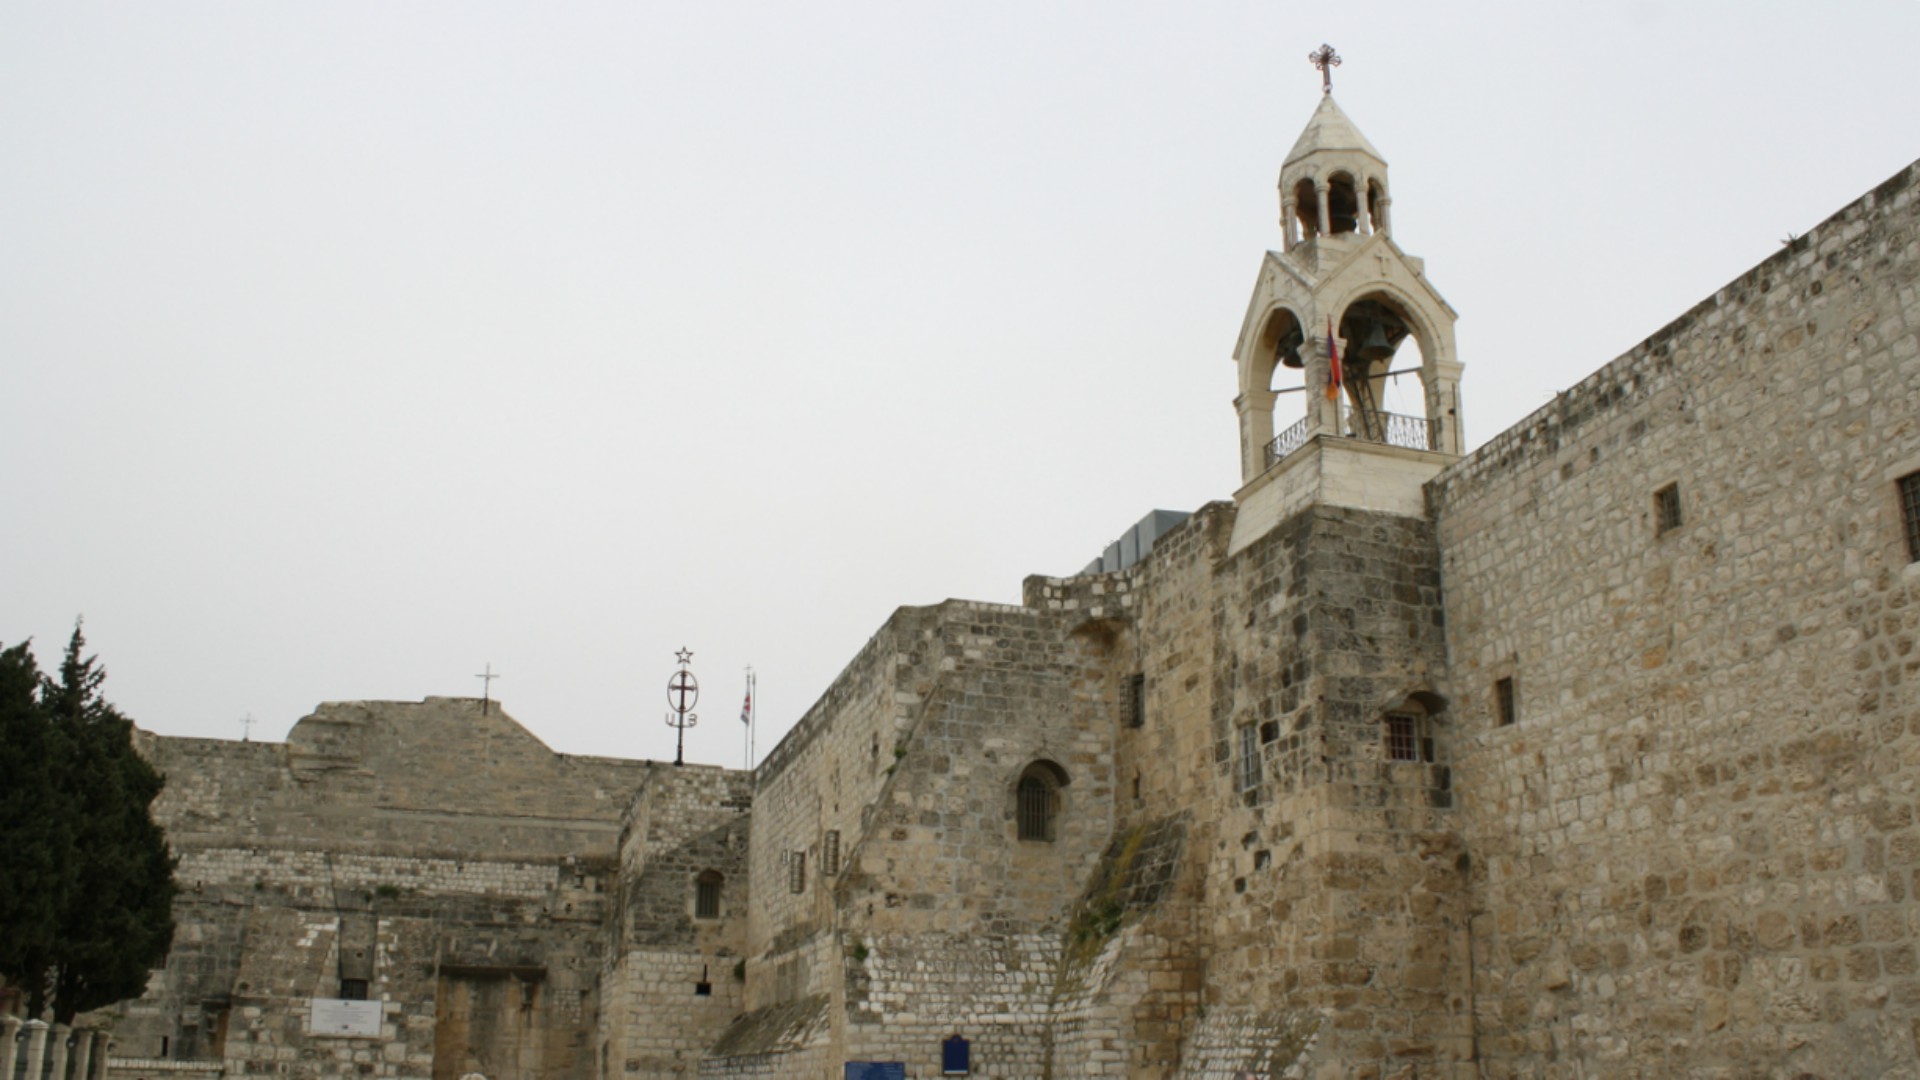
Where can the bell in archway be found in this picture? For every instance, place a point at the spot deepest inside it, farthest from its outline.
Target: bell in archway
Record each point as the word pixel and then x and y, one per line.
pixel 1374 344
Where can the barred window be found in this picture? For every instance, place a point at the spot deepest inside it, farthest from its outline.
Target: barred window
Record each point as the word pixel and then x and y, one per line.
pixel 1036 801
pixel 1249 758
pixel 830 853
pixel 1503 703
pixel 1402 737
pixel 353 989
pixel 1910 513
pixel 706 895
pixel 1136 700
pixel 1036 809
pixel 1666 509
pixel 797 872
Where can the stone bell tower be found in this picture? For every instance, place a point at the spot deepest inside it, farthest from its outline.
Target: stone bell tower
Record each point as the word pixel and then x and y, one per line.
pixel 1340 284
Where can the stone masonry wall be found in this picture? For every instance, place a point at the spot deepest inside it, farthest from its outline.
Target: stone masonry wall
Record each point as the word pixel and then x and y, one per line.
pixel 365 848
pixel 1695 850
pixel 675 980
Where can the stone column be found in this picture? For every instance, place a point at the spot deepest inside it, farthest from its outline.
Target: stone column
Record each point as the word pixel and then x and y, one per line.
pixel 82 1053
pixel 101 1043
pixel 1320 191
pixel 1362 217
pixel 1384 224
pixel 36 1048
pixel 1443 403
pixel 1288 211
pixel 1256 430
pixel 58 1042
pixel 9 1045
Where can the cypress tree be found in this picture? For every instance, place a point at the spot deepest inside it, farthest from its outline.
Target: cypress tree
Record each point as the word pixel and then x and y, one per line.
pixel 90 882
pixel 36 830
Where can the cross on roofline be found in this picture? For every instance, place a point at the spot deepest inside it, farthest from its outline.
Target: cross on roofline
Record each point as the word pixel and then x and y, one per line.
pixel 1326 60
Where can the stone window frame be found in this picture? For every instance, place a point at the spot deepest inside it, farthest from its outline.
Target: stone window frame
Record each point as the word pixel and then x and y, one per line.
pixel 1039 801
pixel 1668 515
pixel 1506 701
pixel 1248 772
pixel 708 888
pixel 1410 729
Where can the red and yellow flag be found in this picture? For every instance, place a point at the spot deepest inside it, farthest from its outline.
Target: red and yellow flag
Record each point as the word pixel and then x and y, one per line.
pixel 1333 364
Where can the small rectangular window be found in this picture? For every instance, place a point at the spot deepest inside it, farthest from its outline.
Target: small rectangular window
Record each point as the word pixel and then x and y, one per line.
pixel 830 853
pixel 1136 701
pixel 1503 704
pixel 1910 513
pixel 1666 509
pixel 1249 758
pixel 1401 744
pixel 797 872
pixel 706 896
pixel 353 989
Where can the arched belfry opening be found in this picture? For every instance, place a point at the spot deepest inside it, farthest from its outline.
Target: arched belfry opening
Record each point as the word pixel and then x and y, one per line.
pixel 1382 349
pixel 1343 204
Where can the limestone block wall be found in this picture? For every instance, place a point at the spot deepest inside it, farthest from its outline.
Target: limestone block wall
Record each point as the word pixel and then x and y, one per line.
pixel 1695 848
pixel 674 980
pixel 406 845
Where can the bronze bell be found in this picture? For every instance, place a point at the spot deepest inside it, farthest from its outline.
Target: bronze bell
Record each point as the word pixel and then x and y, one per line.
pixel 1289 350
pixel 1374 344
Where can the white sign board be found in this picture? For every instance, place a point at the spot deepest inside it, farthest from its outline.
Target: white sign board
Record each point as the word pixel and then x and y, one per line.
pixel 355 1019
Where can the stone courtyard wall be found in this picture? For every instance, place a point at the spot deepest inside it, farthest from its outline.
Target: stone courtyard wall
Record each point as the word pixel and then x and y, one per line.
pixel 1695 850
pixel 438 852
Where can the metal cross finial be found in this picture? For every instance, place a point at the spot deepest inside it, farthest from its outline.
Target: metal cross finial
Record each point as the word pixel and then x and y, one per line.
pixel 1326 60
pixel 486 686
pixel 682 691
pixel 246 723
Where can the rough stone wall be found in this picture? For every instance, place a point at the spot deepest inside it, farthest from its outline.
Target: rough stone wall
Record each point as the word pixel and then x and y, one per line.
pixel 365 847
pixel 1695 850
pixel 675 980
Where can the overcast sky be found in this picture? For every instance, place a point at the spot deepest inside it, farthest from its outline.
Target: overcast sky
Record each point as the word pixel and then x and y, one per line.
pixel 346 348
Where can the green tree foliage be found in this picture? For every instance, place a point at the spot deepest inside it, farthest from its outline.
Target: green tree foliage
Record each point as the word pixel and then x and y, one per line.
pixel 88 881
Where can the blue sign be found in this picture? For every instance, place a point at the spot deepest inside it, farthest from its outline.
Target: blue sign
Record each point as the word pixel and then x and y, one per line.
pixel 876 1070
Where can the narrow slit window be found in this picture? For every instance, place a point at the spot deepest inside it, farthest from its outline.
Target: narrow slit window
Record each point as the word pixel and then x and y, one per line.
pixel 1666 509
pixel 797 872
pixel 1910 513
pixel 1503 703
pixel 1136 700
pixel 1249 758
pixel 830 853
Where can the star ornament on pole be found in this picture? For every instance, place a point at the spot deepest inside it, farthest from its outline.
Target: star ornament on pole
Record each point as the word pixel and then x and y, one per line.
pixel 1326 60
pixel 683 690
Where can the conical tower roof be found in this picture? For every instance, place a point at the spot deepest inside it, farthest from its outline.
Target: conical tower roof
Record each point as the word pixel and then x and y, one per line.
pixel 1329 129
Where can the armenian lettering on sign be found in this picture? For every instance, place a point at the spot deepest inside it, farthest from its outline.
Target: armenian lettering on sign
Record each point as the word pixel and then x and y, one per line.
pixel 876 1070
pixel 353 1019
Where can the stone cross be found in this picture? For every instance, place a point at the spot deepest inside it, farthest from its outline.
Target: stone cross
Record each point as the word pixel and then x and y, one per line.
pixel 1326 60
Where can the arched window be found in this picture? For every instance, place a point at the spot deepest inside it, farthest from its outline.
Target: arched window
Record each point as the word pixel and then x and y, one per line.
pixel 1343 204
pixel 706 894
pixel 1036 799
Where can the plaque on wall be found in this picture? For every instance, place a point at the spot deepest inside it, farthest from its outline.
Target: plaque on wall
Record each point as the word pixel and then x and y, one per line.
pixel 351 1019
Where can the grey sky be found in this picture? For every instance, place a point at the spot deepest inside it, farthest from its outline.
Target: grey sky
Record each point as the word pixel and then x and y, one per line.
pixel 345 348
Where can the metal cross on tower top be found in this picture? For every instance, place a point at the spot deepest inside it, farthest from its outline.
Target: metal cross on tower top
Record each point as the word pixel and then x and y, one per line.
pixel 682 691
pixel 1326 60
